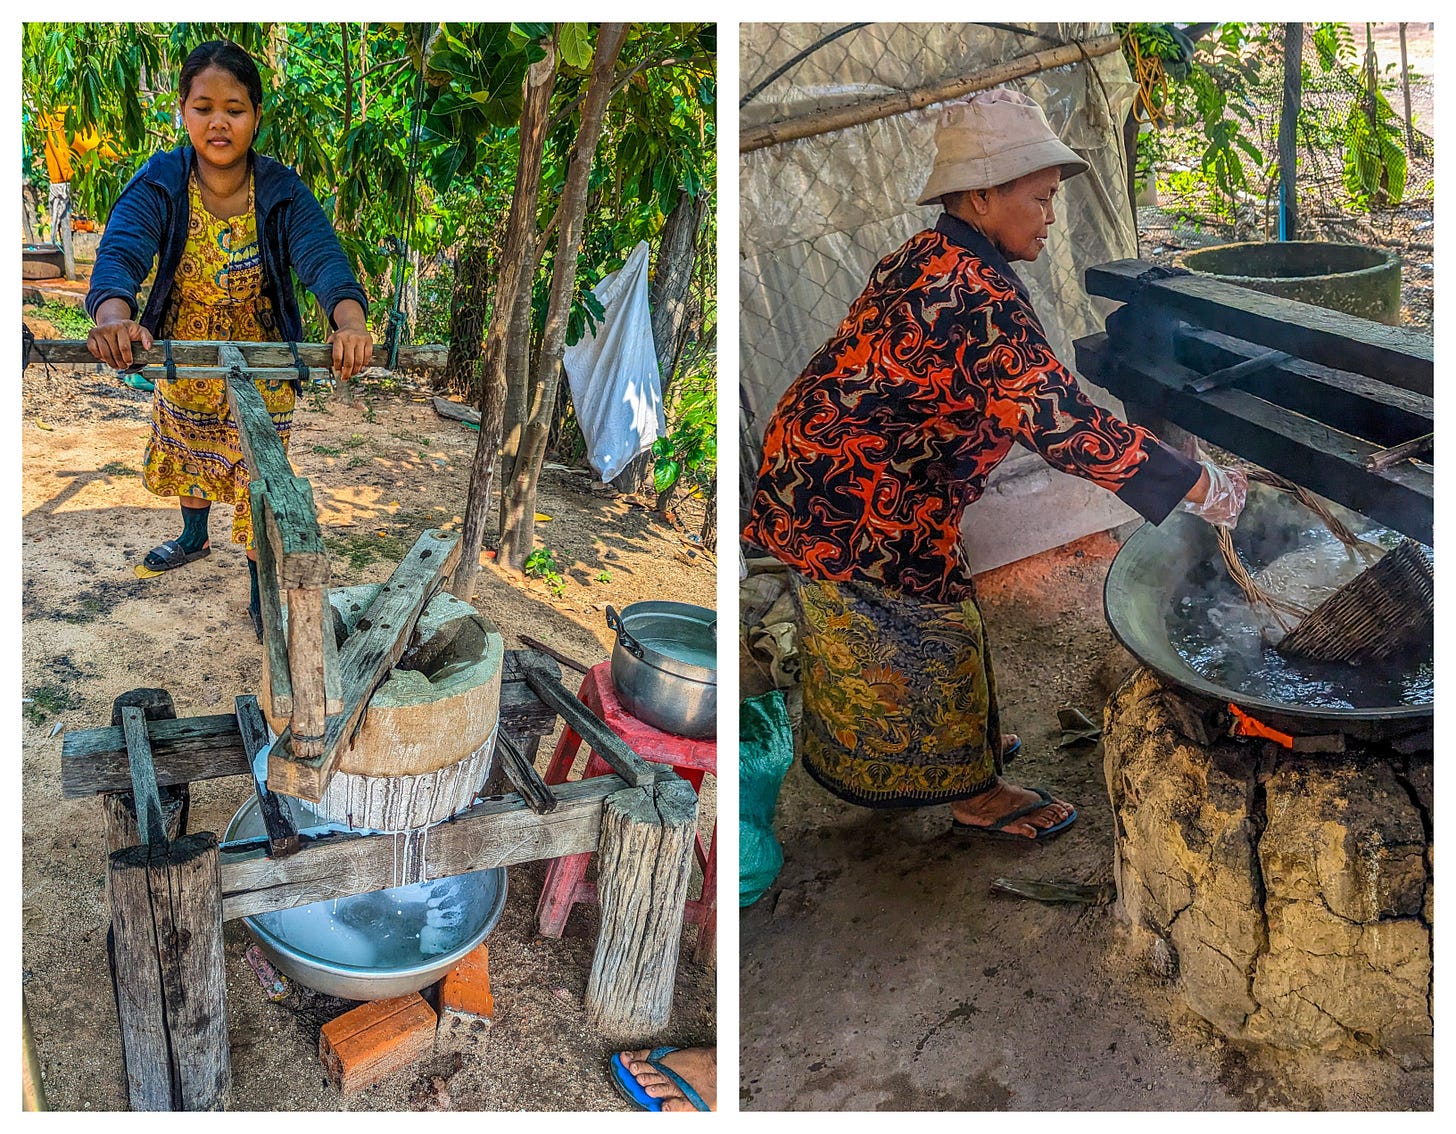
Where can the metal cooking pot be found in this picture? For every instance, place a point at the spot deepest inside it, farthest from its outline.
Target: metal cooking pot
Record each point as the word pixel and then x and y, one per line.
pixel 665 666
pixel 1161 563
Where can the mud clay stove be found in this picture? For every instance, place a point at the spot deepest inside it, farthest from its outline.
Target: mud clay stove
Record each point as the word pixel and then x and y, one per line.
pixel 1279 868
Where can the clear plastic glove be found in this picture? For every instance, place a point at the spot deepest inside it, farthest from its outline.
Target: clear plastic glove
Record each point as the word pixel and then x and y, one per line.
pixel 1228 489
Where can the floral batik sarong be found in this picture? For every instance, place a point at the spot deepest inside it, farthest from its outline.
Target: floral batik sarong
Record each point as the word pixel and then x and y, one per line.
pixel 217 294
pixel 899 696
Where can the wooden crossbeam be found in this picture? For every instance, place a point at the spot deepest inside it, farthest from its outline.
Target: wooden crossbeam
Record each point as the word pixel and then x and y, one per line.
pixel 268 356
pixel 93 761
pixel 501 831
pixel 378 641
pixel 1396 355
pixel 1318 456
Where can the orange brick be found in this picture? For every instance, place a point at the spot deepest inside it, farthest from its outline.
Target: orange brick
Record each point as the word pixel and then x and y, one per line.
pixel 466 988
pixel 467 1007
pixel 376 1039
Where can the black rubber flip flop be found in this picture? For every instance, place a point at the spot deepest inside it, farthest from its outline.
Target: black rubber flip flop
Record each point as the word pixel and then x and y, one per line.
pixel 997 829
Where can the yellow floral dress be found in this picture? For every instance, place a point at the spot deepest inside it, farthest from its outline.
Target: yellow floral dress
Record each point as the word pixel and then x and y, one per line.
pixel 217 294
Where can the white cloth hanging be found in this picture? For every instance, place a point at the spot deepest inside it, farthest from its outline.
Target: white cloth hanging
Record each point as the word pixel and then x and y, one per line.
pixel 615 384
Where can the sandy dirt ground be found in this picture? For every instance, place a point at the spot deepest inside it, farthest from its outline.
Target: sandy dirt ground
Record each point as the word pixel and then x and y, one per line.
pixel 382 471
pixel 881 972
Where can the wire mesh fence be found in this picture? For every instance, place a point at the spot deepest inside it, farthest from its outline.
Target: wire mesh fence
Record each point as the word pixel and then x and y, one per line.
pixel 1364 164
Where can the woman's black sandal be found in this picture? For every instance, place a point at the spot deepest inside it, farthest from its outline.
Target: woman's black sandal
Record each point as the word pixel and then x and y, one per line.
pixel 169 555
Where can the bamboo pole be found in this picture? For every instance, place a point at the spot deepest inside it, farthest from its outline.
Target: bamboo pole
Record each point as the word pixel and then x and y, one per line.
pixel 869 110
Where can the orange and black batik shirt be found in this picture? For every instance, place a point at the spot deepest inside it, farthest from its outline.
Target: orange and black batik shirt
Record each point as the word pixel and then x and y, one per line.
pixel 941 365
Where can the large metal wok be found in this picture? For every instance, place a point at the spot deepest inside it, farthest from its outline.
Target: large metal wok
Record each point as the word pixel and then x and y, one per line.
pixel 1160 564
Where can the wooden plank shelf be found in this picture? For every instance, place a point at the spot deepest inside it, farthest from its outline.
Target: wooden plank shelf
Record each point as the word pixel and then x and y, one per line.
pixel 1396 356
pixel 1312 453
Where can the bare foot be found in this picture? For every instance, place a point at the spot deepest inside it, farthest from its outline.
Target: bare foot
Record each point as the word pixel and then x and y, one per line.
pixel 990 806
pixel 1010 742
pixel 697 1065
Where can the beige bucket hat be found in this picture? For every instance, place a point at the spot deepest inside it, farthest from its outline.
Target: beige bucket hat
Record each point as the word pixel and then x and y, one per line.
pixel 990 139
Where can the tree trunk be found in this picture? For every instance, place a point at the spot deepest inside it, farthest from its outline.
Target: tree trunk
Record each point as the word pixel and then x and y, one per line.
pixel 518 374
pixel 467 324
pixel 520 529
pixel 540 79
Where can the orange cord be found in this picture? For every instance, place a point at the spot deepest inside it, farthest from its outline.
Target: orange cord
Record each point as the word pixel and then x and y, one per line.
pixel 1245 725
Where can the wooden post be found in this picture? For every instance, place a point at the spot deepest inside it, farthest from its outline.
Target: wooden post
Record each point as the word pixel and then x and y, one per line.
pixel 166 917
pixel 1288 128
pixel 643 865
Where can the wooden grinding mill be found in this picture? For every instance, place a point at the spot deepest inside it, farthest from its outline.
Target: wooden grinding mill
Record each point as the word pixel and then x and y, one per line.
pixel 426 741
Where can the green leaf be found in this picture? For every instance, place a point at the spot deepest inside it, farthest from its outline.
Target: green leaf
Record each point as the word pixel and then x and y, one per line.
pixel 664 474
pixel 575 46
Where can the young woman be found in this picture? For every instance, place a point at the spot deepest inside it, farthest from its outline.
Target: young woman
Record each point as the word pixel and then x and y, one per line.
pixel 227 229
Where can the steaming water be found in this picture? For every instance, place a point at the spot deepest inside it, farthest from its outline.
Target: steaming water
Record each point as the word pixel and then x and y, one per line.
pixel 385 929
pixel 1232 644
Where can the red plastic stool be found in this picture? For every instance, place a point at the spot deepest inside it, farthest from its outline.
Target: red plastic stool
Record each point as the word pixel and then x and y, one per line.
pixel 566 882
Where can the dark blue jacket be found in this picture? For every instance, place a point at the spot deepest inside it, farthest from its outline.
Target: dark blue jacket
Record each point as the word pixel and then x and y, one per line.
pixel 149 222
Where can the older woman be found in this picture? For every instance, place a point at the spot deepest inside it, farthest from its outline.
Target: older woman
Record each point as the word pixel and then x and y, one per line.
pixel 874 452
pixel 228 229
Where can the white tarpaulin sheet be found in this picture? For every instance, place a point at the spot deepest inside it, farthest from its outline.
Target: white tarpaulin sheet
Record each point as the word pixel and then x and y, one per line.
pixel 615 385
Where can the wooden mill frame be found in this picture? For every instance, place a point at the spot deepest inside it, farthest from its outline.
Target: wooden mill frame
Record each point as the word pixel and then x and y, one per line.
pixel 170 891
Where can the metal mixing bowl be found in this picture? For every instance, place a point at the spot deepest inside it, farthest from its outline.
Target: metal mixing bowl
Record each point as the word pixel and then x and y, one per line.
pixel 380 944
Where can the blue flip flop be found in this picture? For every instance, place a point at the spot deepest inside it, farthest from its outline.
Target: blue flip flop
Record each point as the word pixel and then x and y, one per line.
pixel 633 1091
pixel 1007 753
pixel 997 829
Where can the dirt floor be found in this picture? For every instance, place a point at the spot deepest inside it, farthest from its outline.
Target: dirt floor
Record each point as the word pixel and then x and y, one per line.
pixel 382 471
pixel 881 972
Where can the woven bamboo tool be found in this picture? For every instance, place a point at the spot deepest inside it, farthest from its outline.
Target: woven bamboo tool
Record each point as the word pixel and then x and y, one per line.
pixel 1378 614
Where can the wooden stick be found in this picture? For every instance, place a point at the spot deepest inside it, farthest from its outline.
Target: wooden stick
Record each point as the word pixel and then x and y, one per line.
pixel 282 834
pixel 151 827
pixel 255 355
pixel 1415 447
pixel 523 776
pixel 869 110
pixel 275 643
pixel 547 650
pixel 603 741
pixel 377 643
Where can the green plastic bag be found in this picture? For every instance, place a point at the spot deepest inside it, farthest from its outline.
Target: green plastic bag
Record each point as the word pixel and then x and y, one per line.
pixel 765 751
